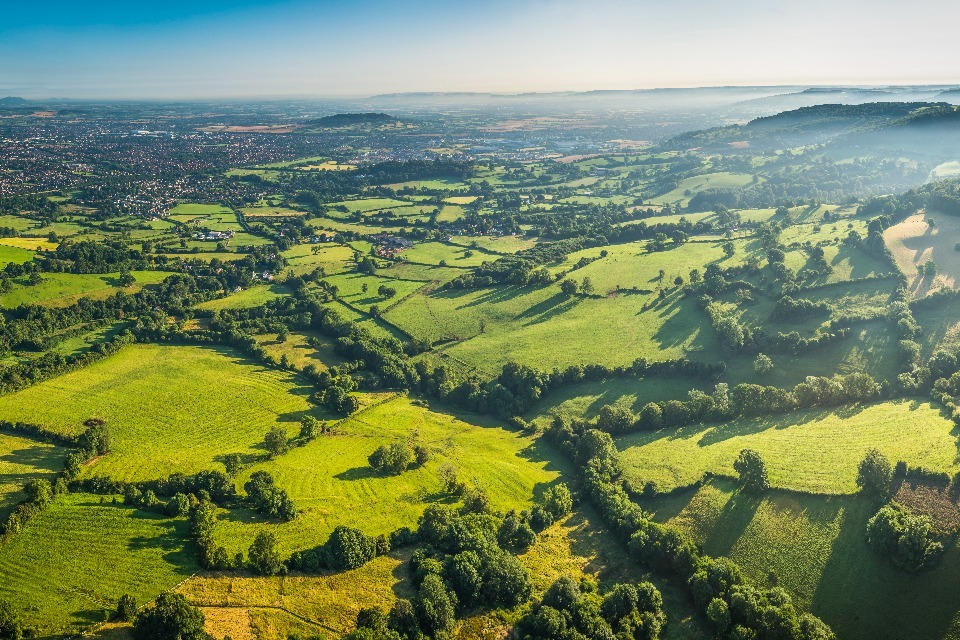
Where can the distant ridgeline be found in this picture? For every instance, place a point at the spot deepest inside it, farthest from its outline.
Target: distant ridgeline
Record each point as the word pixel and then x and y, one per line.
pixel 350 119
pixel 872 123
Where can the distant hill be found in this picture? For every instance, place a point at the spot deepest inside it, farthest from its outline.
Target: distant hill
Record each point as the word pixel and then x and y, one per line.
pixel 351 119
pixel 906 125
pixel 13 101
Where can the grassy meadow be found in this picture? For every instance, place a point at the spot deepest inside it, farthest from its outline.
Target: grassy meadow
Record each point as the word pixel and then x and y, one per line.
pixel 67 568
pixel 814 547
pixel 23 460
pixel 193 404
pixel 332 483
pixel 815 451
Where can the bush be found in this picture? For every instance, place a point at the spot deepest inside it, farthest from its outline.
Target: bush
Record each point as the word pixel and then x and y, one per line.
pixel 126 608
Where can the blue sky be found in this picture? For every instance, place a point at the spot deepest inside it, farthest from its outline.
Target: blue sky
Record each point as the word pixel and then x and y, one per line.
pixel 240 48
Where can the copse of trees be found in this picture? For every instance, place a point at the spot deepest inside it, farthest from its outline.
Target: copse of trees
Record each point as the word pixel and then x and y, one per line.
pixel 393 458
pixel 170 618
pixel 346 548
pixel 571 609
pixel 905 538
pixel 267 498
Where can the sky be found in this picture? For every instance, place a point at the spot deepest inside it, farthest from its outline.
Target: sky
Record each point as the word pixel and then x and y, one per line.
pixel 292 48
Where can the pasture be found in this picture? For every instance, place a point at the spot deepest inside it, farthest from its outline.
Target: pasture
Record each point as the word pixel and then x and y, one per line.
pixel 350 289
pixel 255 296
pixel 67 568
pixel 193 405
pixel 546 328
pixel 914 242
pixel 300 352
pixel 332 483
pixel 814 547
pixel 64 289
pixel 23 460
pixel 815 451
pixel 689 187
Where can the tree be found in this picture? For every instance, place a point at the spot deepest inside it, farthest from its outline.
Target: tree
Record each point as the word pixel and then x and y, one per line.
pixel 348 548
pixel 126 278
pixel 752 471
pixel 678 281
pixel 171 618
pixel 39 492
pixel 126 608
pixel 569 287
pixel 874 474
pixel 587 286
pixel 283 334
pixel 763 364
pixel 728 249
pixel 232 462
pixel 435 607
pixel 276 441
pixel 558 501
pixel 394 458
pixel 10 628
pixel 310 428
pixel 263 557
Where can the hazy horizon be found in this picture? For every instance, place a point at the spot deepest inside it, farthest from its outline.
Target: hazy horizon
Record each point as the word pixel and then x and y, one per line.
pixel 296 49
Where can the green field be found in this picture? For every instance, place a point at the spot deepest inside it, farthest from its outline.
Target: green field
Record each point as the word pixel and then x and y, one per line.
pixel 815 548
pixel 300 353
pixel 255 296
pixel 332 483
pixel 350 289
pixel 192 405
pixel 689 187
pixel 64 289
pixel 815 451
pixel 23 460
pixel 435 252
pixel 546 329
pixel 16 255
pixel 69 566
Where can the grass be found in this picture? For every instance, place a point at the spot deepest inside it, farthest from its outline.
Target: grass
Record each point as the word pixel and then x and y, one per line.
pixel 689 187
pixel 913 242
pixel 814 547
pixel 367 204
pixel 545 328
pixel 23 460
pixel 585 400
pixel 632 266
pixel 331 602
pixel 64 289
pixel 350 289
pixel 213 216
pixel 192 404
pixel 940 327
pixel 496 244
pixel 816 451
pixel 332 483
pixel 435 252
pixel 34 244
pixel 299 352
pixel 15 255
pixel 69 566
pixel 303 258
pixel 256 296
